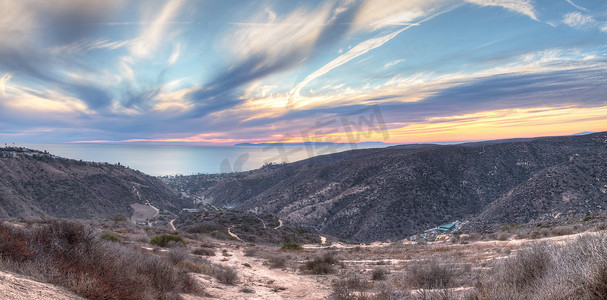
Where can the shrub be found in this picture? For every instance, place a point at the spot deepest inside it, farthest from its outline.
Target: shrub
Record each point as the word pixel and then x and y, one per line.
pixel 277 262
pixel 503 236
pixel 249 252
pixel 577 270
pixel 379 274
pixel 429 274
pixel 291 246
pixel 526 267
pixel 110 237
pixel 350 288
pixel 225 275
pixel 164 240
pixel 69 255
pixel 321 265
pixel 177 255
pixel 204 251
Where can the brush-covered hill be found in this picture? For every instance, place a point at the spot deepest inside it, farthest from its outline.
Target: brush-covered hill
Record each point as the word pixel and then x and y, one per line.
pixel 389 193
pixel 572 188
pixel 249 227
pixel 37 184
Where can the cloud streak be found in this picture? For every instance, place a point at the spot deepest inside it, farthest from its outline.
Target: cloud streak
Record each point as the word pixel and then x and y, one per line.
pixel 578 20
pixel 577 6
pixel 3 81
pixel 524 7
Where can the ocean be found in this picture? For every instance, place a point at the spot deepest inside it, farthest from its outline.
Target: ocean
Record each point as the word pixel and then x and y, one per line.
pixel 161 160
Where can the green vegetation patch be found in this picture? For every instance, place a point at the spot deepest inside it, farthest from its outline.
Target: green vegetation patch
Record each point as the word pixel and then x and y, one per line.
pixel 110 237
pixel 164 239
pixel 291 246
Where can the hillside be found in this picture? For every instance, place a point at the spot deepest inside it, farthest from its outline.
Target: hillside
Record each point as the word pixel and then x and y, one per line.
pixel 248 227
pixel 379 194
pixel 572 188
pixel 42 185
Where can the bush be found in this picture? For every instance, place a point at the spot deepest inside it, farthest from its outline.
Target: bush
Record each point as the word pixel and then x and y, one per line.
pixel 523 270
pixel 225 275
pixel 379 274
pixel 204 251
pixel 249 252
pixel 277 262
pixel 503 236
pixel 110 237
pixel 164 240
pixel 291 246
pixel 177 255
pixel 350 288
pixel 429 274
pixel 321 265
pixel 68 254
pixel 577 270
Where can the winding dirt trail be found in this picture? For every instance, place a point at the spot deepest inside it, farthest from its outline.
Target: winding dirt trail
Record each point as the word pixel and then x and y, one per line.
pixel 172 225
pixel 279 224
pixel 233 234
pixel 272 284
pixel 262 222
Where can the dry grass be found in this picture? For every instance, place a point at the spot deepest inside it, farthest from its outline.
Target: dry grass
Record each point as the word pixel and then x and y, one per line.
pixel 71 255
pixel 430 274
pixel 577 270
pixel 350 288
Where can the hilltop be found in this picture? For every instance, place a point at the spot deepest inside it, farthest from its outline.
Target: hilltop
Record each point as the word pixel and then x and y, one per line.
pixel 34 183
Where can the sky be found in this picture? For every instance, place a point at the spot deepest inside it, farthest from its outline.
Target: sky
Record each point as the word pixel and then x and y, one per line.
pixel 220 72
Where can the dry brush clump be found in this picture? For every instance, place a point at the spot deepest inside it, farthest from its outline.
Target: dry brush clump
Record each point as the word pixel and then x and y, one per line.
pixel 204 251
pixel 277 262
pixel 321 265
pixel 353 287
pixel 577 270
pixel 71 255
pixel 183 260
pixel 430 274
pixel 379 274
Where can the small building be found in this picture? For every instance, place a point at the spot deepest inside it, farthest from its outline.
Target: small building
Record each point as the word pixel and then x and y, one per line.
pixel 446 227
pixel 189 210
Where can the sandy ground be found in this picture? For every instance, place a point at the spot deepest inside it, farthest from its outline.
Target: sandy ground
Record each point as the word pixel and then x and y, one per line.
pixel 265 283
pixel 18 287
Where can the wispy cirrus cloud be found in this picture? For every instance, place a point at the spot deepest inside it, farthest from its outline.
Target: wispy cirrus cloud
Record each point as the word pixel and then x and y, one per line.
pixel 379 14
pixel 3 81
pixel 154 33
pixel 577 6
pixel 268 44
pixel 524 7
pixel 578 20
pixel 353 53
